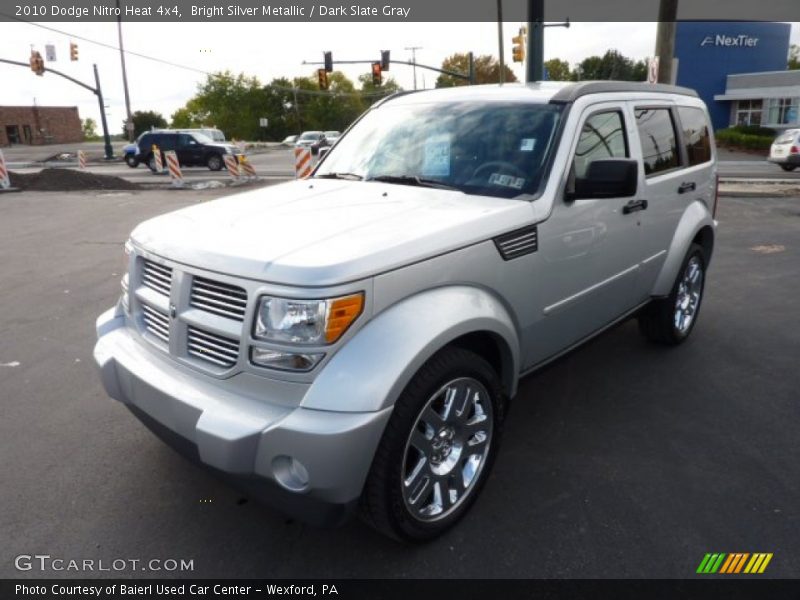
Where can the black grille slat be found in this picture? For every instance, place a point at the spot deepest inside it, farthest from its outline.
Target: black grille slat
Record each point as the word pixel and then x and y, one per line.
pixel 213 348
pixel 156 323
pixel 518 243
pixel 221 299
pixel 157 277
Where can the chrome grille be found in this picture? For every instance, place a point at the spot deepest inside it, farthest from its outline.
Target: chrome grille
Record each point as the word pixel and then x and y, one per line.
pixel 219 298
pixel 156 323
pixel 213 348
pixel 157 277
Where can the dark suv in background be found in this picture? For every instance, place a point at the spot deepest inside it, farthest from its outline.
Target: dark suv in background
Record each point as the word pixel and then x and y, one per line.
pixel 193 149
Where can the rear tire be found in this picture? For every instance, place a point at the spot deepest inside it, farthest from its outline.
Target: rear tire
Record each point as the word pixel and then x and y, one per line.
pixel 151 163
pixel 788 167
pixel 670 320
pixel 438 448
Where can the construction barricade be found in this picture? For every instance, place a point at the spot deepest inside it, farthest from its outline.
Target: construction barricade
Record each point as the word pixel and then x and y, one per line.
pixel 302 163
pixel 5 179
pixel 174 168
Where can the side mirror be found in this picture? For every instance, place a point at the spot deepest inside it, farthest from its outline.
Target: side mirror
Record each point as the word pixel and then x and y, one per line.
pixel 323 151
pixel 607 178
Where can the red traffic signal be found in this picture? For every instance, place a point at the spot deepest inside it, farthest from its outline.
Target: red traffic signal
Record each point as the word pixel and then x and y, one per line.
pixel 377 76
pixel 322 77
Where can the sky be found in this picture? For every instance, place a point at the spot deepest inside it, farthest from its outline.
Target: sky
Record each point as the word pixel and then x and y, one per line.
pixel 266 50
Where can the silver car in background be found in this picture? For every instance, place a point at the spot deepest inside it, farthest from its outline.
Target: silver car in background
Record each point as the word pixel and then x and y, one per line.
pixel 351 342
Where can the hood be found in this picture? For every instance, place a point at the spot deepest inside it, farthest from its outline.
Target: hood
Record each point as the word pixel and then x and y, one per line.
pixel 325 232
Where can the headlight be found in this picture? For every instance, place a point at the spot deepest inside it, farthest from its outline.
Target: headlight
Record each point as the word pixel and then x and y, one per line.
pixel 307 322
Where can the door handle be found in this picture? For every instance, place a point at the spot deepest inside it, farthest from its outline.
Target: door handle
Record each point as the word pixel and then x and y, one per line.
pixel 633 206
pixel 687 186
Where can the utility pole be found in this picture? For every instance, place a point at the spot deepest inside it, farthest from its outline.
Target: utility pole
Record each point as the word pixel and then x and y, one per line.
pixel 106 138
pixel 534 70
pixel 129 122
pixel 414 61
pixel 665 39
pixel 502 77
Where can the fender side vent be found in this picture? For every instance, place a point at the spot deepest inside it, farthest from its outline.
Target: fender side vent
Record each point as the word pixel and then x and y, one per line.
pixel 518 243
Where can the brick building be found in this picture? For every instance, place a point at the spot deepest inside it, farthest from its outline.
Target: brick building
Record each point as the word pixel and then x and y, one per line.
pixel 38 125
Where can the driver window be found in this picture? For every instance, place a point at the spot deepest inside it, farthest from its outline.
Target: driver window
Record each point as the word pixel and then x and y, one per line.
pixel 602 136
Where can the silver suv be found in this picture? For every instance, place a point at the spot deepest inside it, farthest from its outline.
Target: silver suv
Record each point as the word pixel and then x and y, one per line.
pixel 352 340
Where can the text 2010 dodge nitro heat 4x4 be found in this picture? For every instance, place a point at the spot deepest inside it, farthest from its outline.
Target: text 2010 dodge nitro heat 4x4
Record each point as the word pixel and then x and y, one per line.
pixel 351 340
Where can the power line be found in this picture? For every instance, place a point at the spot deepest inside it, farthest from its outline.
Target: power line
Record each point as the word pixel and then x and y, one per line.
pixel 188 68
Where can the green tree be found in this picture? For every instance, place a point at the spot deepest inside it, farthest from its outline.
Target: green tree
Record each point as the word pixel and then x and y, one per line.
pixel 144 120
pixel 89 127
pixel 487 70
pixel 557 69
pixel 333 109
pixel 612 65
pixel 371 93
pixel 794 58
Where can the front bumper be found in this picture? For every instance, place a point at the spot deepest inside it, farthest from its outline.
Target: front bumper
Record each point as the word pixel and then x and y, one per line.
pixel 245 431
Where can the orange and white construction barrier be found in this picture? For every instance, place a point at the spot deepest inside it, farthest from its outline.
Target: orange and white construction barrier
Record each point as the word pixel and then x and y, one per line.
pixel 233 166
pixel 5 180
pixel 174 168
pixel 81 160
pixel 157 157
pixel 302 163
pixel 246 168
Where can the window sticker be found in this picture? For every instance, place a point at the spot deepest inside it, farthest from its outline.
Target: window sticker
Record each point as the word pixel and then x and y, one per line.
pixel 507 181
pixel 436 156
pixel 527 144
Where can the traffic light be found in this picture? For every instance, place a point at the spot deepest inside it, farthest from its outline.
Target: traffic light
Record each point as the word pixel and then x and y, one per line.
pixel 37 63
pixel 322 76
pixel 518 49
pixel 384 60
pixel 377 77
pixel 73 51
pixel 328 61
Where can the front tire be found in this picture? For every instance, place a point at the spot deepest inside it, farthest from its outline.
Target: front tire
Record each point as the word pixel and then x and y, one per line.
pixel 214 162
pixel 670 320
pixel 438 448
pixel 131 161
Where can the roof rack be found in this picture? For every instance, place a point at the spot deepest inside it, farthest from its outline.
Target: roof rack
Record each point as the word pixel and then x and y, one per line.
pixel 573 92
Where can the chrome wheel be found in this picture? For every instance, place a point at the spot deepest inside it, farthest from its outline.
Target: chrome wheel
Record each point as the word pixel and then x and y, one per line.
pixel 447 449
pixel 687 300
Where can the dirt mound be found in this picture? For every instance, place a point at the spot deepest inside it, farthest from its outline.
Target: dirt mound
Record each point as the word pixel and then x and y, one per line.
pixel 65 180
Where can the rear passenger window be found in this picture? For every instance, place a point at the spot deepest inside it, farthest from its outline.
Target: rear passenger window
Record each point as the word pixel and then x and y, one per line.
pixel 695 135
pixel 657 136
pixel 602 136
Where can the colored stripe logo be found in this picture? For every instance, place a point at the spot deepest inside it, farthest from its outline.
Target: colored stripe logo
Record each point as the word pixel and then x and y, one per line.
pixel 734 563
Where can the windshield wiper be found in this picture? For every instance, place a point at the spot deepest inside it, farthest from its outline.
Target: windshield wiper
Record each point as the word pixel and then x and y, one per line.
pixel 413 180
pixel 348 176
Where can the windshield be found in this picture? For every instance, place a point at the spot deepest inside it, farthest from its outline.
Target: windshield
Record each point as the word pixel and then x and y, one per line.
pixel 202 138
pixel 476 147
pixel 311 135
pixel 787 137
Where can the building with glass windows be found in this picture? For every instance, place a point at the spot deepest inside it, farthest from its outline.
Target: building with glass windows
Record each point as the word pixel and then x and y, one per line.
pixel 739 69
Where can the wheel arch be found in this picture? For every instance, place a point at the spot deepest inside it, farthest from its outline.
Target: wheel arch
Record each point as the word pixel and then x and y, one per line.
pixel 696 225
pixel 370 372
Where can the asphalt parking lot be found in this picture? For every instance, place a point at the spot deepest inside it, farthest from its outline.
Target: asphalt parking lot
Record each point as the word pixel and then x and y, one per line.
pixel 621 460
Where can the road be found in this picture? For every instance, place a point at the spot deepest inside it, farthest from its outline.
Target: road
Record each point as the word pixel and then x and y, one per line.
pixel 279 162
pixel 623 459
